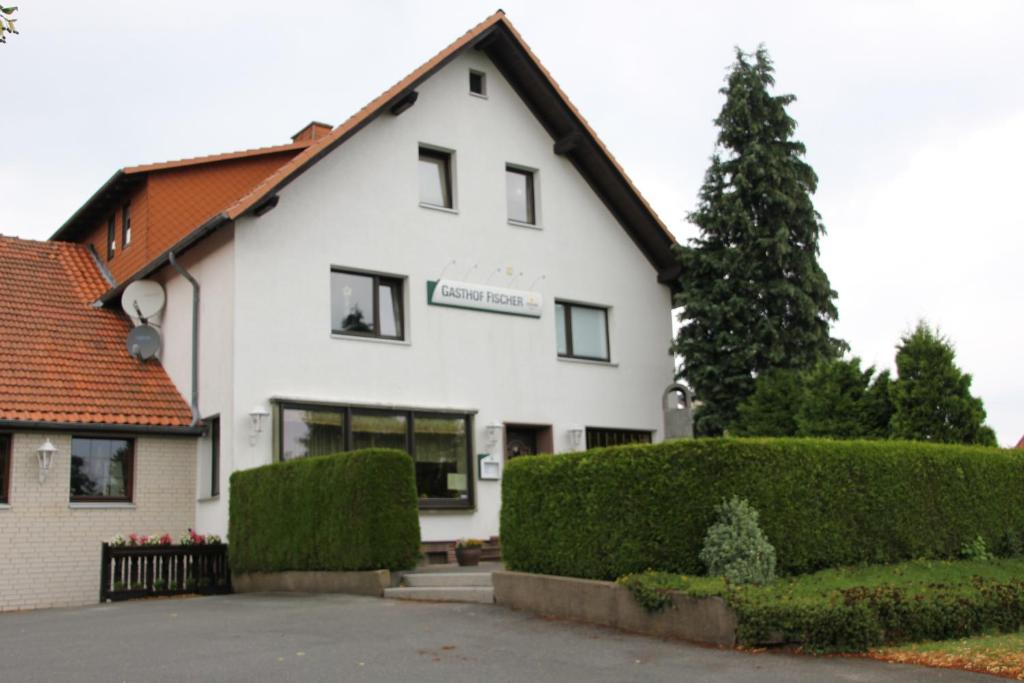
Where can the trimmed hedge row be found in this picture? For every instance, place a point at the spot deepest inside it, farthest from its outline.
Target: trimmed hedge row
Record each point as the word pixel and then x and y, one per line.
pixel 608 512
pixel 352 511
pixel 853 618
pixel 857 619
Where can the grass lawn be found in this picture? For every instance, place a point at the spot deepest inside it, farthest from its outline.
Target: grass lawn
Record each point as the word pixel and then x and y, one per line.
pixel 1000 655
pixel 856 608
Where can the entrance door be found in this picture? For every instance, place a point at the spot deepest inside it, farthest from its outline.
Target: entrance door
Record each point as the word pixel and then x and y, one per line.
pixel 527 440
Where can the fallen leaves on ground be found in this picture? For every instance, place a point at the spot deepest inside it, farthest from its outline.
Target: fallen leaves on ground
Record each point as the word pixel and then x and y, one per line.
pixel 1000 655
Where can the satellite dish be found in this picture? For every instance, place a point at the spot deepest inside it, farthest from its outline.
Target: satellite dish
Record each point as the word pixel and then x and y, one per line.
pixel 142 300
pixel 143 342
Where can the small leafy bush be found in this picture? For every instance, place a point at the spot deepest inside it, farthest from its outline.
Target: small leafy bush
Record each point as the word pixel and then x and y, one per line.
pixel 736 548
pixel 976 550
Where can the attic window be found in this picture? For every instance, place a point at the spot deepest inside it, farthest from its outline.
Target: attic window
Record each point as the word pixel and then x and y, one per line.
pixel 111 238
pixel 478 83
pixel 126 225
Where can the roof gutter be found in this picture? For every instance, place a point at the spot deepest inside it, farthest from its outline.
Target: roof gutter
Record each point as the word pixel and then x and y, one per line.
pixel 195 335
pixel 163 259
pixel 83 427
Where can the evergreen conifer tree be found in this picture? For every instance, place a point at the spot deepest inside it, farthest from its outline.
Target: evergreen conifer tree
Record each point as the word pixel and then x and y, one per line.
pixel 932 397
pixel 771 409
pixel 833 400
pixel 753 293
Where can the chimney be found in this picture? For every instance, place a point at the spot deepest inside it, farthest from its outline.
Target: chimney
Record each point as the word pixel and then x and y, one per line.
pixel 313 131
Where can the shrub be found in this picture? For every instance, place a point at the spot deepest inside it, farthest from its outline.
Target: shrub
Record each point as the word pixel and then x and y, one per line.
pixel 604 513
pixel 736 548
pixel 351 511
pixel 853 609
pixel 976 550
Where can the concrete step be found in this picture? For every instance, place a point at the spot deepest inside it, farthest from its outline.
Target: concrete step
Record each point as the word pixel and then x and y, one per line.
pixel 443 594
pixel 447 580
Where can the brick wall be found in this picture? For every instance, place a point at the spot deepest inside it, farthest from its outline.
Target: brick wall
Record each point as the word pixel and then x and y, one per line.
pixel 50 552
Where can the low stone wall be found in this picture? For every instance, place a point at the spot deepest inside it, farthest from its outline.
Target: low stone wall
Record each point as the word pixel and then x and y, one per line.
pixel 701 620
pixel 358 583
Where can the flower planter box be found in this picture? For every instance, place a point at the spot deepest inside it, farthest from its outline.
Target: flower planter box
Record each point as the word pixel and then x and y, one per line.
pixel 131 572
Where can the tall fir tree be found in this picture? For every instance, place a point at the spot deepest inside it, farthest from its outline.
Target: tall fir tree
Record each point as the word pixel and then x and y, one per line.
pixel 753 293
pixel 931 397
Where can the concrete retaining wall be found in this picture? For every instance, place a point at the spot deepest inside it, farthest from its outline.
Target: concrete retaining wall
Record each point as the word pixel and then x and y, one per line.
pixel 702 620
pixel 358 583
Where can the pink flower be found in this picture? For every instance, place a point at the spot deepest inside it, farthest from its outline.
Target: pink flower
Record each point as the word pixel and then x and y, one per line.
pixel 166 539
pixel 133 539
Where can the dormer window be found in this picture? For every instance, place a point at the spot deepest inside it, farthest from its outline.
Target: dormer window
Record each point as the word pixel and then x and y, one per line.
pixel 126 225
pixel 111 238
pixel 478 83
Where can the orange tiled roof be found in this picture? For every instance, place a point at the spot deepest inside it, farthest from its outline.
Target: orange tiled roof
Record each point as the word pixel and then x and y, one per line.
pixel 226 156
pixel 63 361
pixel 1020 444
pixel 308 150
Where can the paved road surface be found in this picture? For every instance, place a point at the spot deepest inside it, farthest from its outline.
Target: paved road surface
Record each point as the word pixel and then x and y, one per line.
pixel 345 638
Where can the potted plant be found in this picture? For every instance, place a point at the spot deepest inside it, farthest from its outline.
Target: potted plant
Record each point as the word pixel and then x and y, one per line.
pixel 467 551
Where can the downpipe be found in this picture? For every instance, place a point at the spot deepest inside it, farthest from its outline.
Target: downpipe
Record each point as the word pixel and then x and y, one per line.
pixel 195 335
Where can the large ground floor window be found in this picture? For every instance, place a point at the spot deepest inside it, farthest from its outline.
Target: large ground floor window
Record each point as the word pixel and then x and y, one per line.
pixel 440 443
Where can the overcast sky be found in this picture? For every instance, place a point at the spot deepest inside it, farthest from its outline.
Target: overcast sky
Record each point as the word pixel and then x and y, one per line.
pixel 912 113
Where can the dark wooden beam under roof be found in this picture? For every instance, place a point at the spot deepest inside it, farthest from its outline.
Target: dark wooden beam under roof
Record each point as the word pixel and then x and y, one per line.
pixel 573 141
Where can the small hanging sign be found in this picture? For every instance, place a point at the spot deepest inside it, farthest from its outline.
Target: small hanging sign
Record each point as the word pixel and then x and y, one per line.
pixel 484 298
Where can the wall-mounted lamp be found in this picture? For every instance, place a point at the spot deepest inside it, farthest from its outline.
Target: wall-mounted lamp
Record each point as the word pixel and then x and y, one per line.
pixel 576 436
pixel 494 435
pixel 256 417
pixel 45 455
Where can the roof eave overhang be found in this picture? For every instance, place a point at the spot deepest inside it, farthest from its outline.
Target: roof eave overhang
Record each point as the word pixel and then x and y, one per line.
pixel 179 247
pixel 574 140
pixel 100 428
pixel 114 186
pixel 504 47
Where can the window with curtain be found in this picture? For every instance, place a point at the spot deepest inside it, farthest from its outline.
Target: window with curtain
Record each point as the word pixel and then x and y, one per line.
pixel 101 469
pixel 439 443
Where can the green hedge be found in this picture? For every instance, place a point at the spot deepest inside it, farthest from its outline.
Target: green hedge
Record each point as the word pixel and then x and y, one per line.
pixel 854 609
pixel 351 511
pixel 608 512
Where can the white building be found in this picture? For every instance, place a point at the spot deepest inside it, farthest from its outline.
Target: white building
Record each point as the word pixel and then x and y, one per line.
pixel 459 269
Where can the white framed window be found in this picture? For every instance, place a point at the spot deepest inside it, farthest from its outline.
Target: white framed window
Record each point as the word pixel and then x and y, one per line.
pixel 582 331
pixel 435 178
pixel 520 195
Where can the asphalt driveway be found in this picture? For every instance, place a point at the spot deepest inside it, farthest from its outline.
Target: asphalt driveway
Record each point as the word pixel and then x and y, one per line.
pixel 292 637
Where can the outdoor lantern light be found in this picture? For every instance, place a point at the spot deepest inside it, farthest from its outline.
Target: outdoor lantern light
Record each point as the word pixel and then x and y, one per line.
pixel 45 455
pixel 576 436
pixel 256 416
pixel 494 435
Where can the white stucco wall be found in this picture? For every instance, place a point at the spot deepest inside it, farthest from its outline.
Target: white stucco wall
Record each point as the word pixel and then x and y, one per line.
pixel 211 263
pixel 358 208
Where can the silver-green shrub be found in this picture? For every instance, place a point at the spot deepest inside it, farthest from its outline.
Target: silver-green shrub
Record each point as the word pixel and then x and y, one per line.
pixel 735 547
